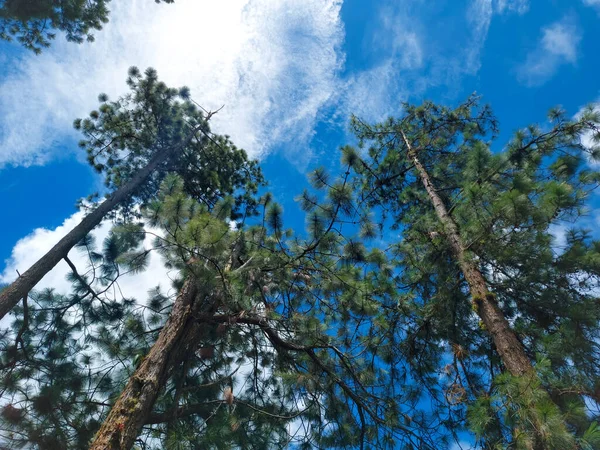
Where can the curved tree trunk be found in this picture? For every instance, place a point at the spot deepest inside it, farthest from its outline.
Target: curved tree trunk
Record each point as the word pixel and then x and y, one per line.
pixel 13 293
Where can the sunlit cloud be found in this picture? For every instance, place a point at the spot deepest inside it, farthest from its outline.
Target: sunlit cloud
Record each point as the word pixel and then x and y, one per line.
pixel 272 63
pixel 558 46
pixel 33 246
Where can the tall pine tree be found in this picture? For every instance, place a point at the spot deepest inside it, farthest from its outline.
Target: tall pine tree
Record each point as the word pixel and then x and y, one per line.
pixel 476 242
pixel 273 341
pixel 134 141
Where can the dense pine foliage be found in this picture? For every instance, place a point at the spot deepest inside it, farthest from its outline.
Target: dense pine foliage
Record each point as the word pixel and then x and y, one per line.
pixel 503 205
pixel 123 136
pixel 35 23
pixel 426 298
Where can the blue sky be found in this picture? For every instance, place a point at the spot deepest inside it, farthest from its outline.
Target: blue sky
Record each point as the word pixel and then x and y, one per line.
pixel 289 74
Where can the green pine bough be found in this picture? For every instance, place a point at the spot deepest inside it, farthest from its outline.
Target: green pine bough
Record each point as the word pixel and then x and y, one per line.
pixel 476 241
pixel 35 23
pixel 134 142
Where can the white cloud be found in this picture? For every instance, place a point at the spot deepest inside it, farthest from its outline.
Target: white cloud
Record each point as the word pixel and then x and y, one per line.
pixel 272 63
pixel 516 6
pixel 559 235
pixel 30 248
pixel 587 140
pixel 376 93
pixel 561 39
pixel 413 58
pixel 479 17
pixel 557 46
pixel 397 35
pixel 595 3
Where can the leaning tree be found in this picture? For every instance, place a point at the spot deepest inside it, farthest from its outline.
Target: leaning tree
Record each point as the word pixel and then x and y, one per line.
pixel 272 339
pixel 490 300
pixel 134 142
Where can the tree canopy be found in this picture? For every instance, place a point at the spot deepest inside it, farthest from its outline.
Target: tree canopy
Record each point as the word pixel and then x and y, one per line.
pixel 426 297
pixel 35 23
pixel 501 206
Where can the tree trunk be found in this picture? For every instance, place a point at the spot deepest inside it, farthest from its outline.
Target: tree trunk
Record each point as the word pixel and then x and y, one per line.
pixel 13 293
pixel 178 339
pixel 134 406
pixel 509 348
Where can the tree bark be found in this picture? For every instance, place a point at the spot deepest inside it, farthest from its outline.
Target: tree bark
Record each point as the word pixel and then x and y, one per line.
pixel 134 406
pixel 13 293
pixel 178 339
pixel 509 348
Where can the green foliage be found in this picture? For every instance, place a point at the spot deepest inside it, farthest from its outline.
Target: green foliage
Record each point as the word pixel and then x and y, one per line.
pixel 319 178
pixel 274 217
pixel 121 137
pixel 504 204
pixel 527 414
pixel 296 327
pixel 34 23
pixel 591 437
pixel 330 339
pixel 350 157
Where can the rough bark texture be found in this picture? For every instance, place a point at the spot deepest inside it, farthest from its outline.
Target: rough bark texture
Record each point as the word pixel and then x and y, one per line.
pixel 509 348
pixel 178 339
pixel 13 293
pixel 133 407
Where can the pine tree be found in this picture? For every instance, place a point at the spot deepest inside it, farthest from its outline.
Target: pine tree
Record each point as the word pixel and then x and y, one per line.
pixel 34 23
pixel 225 286
pixel 306 319
pixel 476 241
pixel 134 141
pixel 181 334
pixel 333 339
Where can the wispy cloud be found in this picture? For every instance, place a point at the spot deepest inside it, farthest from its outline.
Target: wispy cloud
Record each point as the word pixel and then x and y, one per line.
pixel 415 56
pixel 479 17
pixel 272 63
pixel 378 91
pixel 511 6
pixel 595 3
pixel 398 35
pixel 561 39
pixel 557 46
